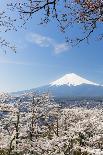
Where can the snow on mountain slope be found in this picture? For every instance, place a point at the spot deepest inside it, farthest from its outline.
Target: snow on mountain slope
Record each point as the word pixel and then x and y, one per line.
pixel 72 80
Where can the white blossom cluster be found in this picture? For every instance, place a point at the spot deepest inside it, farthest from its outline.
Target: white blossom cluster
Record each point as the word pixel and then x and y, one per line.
pixel 36 125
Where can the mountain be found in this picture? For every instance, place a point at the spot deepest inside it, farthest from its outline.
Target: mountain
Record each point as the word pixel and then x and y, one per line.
pixel 71 80
pixel 70 85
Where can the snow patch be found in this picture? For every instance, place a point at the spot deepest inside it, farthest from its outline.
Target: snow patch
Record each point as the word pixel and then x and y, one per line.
pixel 72 80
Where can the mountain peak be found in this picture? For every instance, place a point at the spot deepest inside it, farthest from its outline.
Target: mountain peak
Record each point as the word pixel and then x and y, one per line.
pixel 71 79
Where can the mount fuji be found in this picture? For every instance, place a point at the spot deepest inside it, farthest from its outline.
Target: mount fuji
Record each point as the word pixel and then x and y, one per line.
pixel 70 85
pixel 71 80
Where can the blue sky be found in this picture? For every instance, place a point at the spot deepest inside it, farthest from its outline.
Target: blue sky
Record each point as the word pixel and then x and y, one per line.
pixel 43 56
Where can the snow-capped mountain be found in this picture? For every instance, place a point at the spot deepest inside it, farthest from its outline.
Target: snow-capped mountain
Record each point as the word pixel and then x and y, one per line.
pixel 70 85
pixel 72 80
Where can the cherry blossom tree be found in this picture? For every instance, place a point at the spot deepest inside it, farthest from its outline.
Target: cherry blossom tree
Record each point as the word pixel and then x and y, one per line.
pixel 84 15
pixel 36 124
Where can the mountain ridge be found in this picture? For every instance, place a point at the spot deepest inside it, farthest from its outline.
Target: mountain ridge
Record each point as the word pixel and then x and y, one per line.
pixel 69 85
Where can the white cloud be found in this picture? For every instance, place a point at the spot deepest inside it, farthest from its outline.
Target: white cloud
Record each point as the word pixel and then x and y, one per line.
pixel 44 41
pixel 58 48
pixel 40 40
